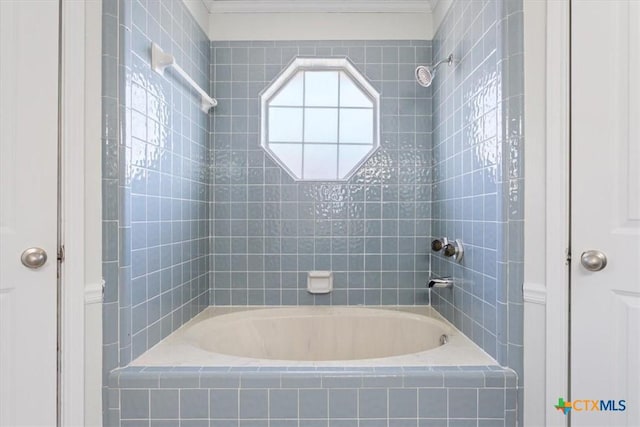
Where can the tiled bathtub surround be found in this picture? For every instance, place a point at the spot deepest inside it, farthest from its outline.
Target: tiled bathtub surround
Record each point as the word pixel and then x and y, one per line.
pixel 155 177
pixel 478 176
pixel 195 213
pixel 482 396
pixel 268 230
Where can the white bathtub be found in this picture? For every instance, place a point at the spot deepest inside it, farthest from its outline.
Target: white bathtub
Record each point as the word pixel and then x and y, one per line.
pixel 315 336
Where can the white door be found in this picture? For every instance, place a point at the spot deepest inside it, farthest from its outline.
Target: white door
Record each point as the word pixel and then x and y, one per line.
pixel 605 138
pixel 28 212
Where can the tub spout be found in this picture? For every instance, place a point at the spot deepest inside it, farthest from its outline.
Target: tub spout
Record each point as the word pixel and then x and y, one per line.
pixel 440 282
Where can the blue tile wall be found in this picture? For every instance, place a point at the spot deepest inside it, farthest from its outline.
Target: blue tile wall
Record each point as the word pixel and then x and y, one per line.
pixel 306 397
pixel 268 231
pixel 196 213
pixel 155 177
pixel 478 179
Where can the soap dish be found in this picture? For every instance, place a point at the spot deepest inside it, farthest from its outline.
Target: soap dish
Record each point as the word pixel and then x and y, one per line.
pixel 320 282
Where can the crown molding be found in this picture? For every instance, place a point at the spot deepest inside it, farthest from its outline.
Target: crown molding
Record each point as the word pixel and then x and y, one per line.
pixel 326 6
pixel 440 9
pixel 200 12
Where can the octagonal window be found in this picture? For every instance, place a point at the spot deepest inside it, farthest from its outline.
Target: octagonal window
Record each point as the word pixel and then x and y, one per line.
pixel 320 119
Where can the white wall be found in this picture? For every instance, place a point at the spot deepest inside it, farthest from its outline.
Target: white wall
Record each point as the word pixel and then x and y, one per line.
pixel 320 26
pixel 535 223
pixel 93 214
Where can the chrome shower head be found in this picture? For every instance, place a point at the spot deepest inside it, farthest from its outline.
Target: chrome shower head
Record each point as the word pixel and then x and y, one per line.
pixel 426 73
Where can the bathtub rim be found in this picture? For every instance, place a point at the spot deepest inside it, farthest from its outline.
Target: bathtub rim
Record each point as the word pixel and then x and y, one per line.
pixel 175 350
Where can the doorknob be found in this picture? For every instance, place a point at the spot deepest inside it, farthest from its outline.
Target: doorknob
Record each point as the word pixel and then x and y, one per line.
pixel 34 258
pixel 593 260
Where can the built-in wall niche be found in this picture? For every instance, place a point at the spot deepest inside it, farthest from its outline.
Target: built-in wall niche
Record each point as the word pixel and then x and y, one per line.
pixel 320 119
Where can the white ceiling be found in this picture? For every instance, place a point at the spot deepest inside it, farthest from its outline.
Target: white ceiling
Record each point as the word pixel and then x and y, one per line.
pixel 354 6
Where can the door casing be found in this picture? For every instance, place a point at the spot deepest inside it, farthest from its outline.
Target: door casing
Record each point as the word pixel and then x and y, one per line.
pixel 546 282
pixel 547 250
pixel 81 213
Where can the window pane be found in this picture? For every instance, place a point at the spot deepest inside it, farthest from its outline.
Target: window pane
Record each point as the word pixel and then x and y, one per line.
pixel 321 125
pixel 320 161
pixel 349 156
pixel 351 95
pixel 285 124
pixel 356 126
pixel 290 94
pixel 321 88
pixel 290 155
pixel 320 119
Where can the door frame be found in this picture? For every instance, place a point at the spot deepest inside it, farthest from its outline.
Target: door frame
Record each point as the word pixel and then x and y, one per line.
pixel 558 170
pixel 80 210
pixel 547 209
pixel 81 207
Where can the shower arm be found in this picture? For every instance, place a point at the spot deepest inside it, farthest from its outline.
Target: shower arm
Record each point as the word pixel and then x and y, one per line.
pixel 448 60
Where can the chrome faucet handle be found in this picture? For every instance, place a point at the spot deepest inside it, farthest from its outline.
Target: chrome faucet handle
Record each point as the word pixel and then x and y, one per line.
pixel 454 249
pixel 439 243
pixel 449 249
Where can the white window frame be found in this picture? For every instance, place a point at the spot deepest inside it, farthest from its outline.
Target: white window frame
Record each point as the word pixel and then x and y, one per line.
pixel 319 64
